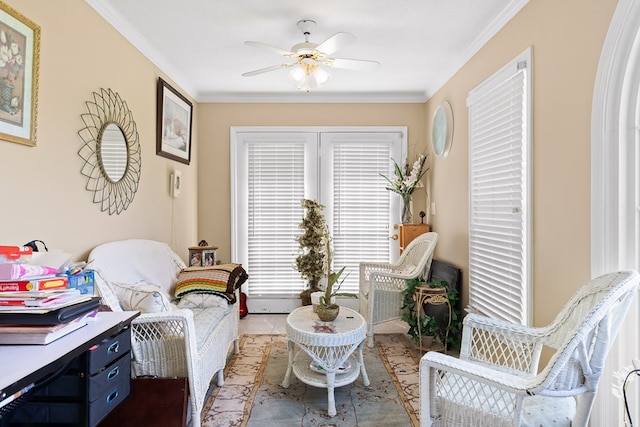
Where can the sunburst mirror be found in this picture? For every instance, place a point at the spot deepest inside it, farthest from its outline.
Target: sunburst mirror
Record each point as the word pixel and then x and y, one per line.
pixel 111 151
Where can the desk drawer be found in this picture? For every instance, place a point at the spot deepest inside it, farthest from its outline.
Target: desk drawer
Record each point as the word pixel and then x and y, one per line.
pixel 109 350
pixel 108 400
pixel 73 383
pixel 71 413
pixel 118 371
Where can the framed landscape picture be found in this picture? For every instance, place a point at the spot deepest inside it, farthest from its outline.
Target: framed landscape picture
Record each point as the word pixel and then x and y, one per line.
pixel 173 132
pixel 19 64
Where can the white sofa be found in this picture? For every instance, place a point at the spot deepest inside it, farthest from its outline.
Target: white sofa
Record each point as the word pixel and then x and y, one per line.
pixel 179 342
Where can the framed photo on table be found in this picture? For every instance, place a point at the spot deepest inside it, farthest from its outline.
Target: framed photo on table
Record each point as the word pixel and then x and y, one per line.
pixel 202 256
pixel 20 47
pixel 173 124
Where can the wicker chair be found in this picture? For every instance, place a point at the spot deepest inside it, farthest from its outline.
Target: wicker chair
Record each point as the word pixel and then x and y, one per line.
pixel 496 380
pixel 381 284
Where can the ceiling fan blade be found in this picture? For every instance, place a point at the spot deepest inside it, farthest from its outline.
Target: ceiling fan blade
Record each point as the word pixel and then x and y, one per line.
pixel 335 43
pixel 269 47
pixel 353 64
pixel 266 70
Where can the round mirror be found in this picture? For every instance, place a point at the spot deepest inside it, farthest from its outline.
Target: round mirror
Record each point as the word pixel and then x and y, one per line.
pixel 113 152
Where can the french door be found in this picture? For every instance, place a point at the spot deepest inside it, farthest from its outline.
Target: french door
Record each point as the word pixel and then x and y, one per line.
pixel 274 169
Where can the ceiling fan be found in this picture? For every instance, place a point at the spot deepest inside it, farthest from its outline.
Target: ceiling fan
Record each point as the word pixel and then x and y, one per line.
pixel 309 59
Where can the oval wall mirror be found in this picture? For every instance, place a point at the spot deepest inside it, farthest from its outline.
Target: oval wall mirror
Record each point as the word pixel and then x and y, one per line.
pixel 111 151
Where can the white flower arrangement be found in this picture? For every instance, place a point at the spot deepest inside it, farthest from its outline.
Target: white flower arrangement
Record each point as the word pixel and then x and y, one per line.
pixel 405 182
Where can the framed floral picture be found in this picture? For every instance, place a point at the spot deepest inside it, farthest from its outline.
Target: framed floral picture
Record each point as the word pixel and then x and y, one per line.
pixel 173 132
pixel 19 65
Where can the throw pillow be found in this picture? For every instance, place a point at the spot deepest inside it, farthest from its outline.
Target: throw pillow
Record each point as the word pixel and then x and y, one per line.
pixel 144 297
pixel 221 280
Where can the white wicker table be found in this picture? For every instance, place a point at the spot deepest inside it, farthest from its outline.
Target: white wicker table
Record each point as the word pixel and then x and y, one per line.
pixel 331 353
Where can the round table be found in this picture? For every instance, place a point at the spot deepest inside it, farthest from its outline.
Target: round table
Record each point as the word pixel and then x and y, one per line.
pixel 326 359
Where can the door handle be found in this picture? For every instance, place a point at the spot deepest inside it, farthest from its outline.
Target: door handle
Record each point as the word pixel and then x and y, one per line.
pixel 394 237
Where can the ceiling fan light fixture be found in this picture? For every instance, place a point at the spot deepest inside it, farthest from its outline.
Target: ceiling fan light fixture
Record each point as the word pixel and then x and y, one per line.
pixel 310 58
pixel 298 75
pixel 319 77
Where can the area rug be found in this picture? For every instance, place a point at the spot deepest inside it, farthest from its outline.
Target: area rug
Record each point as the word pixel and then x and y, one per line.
pixel 252 395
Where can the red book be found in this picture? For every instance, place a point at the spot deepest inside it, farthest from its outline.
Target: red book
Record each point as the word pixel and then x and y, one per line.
pixel 35 284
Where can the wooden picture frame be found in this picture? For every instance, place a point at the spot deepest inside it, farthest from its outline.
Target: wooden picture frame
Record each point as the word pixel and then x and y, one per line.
pixel 202 256
pixel 173 124
pixel 19 71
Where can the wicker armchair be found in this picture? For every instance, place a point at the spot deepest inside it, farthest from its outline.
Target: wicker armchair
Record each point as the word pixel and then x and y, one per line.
pixel 496 382
pixel 381 284
pixel 180 342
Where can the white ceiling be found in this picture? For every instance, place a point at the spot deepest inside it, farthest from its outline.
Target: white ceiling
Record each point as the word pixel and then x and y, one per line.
pixel 199 44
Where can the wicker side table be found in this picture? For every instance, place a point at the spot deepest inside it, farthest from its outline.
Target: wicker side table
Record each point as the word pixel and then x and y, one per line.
pixel 327 351
pixel 435 296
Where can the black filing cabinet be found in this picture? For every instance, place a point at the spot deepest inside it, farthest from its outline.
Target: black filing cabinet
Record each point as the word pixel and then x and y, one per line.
pixel 90 387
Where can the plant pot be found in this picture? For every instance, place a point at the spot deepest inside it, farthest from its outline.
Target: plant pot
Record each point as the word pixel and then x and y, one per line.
pixel 427 341
pixel 440 312
pixel 328 313
pixel 305 296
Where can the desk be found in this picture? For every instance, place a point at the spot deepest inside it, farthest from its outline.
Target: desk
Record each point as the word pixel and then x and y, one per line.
pixel 23 365
pixel 327 351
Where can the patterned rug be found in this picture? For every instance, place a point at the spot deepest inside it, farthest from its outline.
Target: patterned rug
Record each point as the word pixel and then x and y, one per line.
pixel 253 397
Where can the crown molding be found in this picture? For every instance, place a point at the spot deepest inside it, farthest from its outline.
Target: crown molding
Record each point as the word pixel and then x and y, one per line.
pixel 113 18
pixel 318 98
pixel 104 9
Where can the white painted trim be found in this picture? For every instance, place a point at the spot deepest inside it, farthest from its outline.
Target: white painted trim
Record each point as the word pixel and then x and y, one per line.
pixel 301 97
pixel 614 230
pixel 104 9
pixel 113 18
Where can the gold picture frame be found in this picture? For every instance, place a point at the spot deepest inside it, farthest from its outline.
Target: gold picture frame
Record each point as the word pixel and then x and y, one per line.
pixel 19 71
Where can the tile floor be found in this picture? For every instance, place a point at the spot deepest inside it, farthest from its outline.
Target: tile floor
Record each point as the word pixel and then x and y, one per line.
pixel 275 324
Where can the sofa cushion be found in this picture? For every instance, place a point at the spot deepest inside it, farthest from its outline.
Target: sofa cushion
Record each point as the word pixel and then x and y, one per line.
pixel 200 300
pixel 144 297
pixel 207 320
pixel 221 280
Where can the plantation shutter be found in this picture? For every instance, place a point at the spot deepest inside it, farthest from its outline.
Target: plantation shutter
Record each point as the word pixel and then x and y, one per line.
pixel 499 170
pixel 357 204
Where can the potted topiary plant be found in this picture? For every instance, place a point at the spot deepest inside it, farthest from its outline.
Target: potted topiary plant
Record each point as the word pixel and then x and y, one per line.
pixel 310 263
pixel 316 261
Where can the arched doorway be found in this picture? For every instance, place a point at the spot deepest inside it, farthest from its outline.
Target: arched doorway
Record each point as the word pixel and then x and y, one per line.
pixel 615 188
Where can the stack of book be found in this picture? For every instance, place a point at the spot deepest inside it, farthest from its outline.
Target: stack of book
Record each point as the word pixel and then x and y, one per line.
pixel 40 317
pixel 37 305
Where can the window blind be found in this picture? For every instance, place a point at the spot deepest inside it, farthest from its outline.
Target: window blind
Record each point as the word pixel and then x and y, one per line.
pixel 359 205
pixel 499 169
pixel 273 170
pixel 276 187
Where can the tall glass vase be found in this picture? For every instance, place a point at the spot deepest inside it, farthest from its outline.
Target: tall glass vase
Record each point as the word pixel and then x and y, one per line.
pixel 405 214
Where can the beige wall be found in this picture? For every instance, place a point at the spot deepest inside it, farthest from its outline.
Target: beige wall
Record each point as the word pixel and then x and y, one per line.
pixel 567 37
pixel 214 169
pixel 43 193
